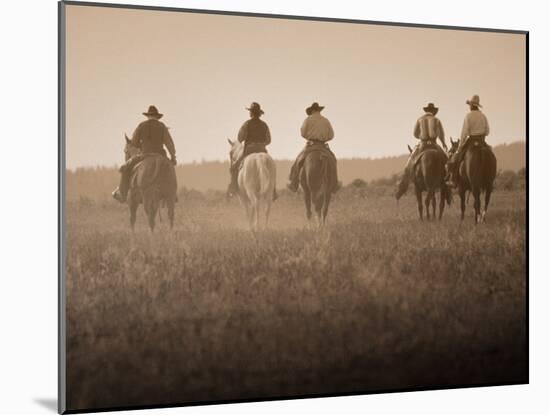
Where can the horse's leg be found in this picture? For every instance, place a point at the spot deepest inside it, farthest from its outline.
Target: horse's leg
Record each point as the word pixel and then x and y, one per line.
pixel 151 207
pixel 147 209
pixel 133 210
pixel 429 196
pixel 442 200
pixel 247 210
pixel 325 206
pixel 151 216
pixel 318 202
pixel 257 214
pixel 307 200
pixel 434 205
pixel 427 203
pixel 170 206
pixel 246 203
pixel 488 192
pixel 250 214
pixel 419 201
pixel 267 210
pixel 476 192
pixel 462 194
pixel 253 212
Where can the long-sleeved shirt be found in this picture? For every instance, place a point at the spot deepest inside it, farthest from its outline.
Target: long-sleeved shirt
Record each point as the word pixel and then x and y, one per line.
pixel 475 123
pixel 318 128
pixel 428 127
pixel 254 130
pixel 151 136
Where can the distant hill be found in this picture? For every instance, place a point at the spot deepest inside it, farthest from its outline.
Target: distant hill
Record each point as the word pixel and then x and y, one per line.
pixel 509 157
pixel 213 175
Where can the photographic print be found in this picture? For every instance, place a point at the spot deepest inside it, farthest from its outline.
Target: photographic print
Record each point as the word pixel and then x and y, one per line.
pixel 258 207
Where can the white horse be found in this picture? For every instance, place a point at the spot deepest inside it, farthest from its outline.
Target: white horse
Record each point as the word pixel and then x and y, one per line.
pixel 256 183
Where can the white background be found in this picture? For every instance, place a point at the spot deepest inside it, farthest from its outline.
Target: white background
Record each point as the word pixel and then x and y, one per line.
pixel 28 205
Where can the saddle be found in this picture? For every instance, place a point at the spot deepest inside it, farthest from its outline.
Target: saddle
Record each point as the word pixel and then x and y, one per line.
pixel 150 168
pixel 249 149
pixel 325 152
pixel 475 141
pixel 423 147
pixel 320 147
pixel 131 164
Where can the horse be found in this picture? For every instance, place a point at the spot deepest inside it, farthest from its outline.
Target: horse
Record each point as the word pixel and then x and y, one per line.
pixel 256 182
pixel 316 182
pixel 429 176
pixel 152 182
pixel 476 173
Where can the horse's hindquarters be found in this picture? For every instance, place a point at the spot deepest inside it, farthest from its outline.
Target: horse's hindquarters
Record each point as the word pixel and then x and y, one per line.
pixel 256 187
pixel 314 172
pixel 257 176
pixel 479 168
pixel 430 170
pixel 317 184
pixel 154 180
pixel 477 174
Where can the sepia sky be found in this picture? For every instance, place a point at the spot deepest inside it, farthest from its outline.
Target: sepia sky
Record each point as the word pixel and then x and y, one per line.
pixel 202 70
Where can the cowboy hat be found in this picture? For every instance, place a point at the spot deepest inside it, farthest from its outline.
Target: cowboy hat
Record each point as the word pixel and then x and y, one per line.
pixel 314 107
pixel 255 108
pixel 474 101
pixel 431 108
pixel 153 112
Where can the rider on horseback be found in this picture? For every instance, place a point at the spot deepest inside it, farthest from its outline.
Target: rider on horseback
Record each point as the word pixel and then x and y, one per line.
pixel 150 136
pixel 256 136
pixel 316 129
pixel 475 128
pixel 428 129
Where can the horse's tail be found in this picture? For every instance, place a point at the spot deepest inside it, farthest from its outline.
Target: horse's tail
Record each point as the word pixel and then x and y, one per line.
pixel 432 168
pixel 325 185
pixel 481 168
pixel 155 174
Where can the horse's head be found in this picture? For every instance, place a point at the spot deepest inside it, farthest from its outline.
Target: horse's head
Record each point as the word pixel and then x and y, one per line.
pixel 235 150
pixel 454 147
pixel 130 150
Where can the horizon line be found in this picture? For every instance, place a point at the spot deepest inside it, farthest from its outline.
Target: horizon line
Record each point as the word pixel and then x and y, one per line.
pixel 223 161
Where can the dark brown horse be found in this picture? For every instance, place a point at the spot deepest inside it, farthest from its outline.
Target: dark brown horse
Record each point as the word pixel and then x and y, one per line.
pixel 316 181
pixel 153 182
pixel 476 174
pixel 429 176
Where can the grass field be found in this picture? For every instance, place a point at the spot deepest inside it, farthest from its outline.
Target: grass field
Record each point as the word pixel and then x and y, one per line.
pixel 377 300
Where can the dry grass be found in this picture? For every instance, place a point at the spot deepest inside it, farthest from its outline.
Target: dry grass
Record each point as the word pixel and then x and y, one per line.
pixel 375 301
